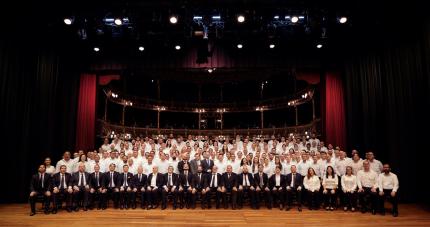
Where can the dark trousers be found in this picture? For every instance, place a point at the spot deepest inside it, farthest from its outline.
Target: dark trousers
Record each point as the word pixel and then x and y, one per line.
pixel 56 201
pixel 114 196
pixel 233 198
pixel 141 194
pixel 97 196
pixel 164 195
pixel 194 198
pixel 153 196
pixel 330 199
pixel 278 196
pixel 125 198
pixel 367 195
pixel 262 194
pixel 80 198
pixel 33 199
pixel 387 196
pixel 218 195
pixel 251 195
pixel 185 197
pixel 350 199
pixel 291 193
pixel 312 197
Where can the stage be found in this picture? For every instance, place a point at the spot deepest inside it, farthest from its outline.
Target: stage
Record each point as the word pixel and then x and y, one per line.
pixel 18 215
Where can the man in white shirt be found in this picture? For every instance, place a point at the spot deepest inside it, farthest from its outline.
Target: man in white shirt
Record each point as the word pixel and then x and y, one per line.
pixel 388 185
pixel 375 165
pixel 367 181
pixel 67 161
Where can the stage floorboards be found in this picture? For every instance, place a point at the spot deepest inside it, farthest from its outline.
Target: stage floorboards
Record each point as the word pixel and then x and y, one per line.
pixel 18 215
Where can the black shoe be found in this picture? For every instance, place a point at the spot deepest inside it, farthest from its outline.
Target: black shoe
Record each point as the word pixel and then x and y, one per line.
pixel 104 208
pixel 174 207
pixel 77 209
pixel 299 209
pixel 69 210
pixel 281 206
pixel 46 211
pixel 163 207
pixel 395 214
pixel 288 208
pixel 54 211
pixel 32 213
pixel 181 206
pixel 373 212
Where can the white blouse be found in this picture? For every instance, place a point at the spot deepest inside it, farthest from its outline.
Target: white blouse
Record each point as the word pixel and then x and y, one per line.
pixel 312 184
pixel 349 183
pixel 330 182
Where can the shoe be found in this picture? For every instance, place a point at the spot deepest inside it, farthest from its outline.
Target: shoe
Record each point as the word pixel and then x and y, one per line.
pixel 331 209
pixel 281 206
pixel 327 208
pixel 288 208
pixel 54 211
pixel 395 214
pixel 69 210
pixel 299 209
pixel 77 209
pixel 46 211
pixel 345 209
pixel 373 212
pixel 32 213
pixel 85 208
pixel 310 207
pixel 352 209
pixel 174 207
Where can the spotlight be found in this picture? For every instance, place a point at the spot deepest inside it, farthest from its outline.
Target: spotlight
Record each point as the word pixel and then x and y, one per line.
pixel 68 21
pixel 118 21
pixel 239 46
pixel 276 17
pixel 294 19
pixel 173 20
pixel 141 48
pixel 210 70
pixel 319 46
pixel 343 20
pixel 177 47
pixel 271 46
pixel 240 19
pixel 96 49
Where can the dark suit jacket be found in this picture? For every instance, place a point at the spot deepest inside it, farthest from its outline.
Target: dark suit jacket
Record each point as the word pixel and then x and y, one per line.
pixel 139 184
pixel 265 180
pixel 175 179
pixel 93 182
pixel 75 179
pixel 159 182
pixel 193 166
pixel 207 168
pixel 57 177
pixel 199 182
pixel 209 179
pixel 250 179
pixel 36 183
pixel 272 181
pixel 298 180
pixel 108 179
pixel 182 180
pixel 121 179
pixel 181 166
pixel 231 182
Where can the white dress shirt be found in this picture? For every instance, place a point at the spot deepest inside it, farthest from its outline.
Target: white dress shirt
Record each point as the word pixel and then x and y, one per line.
pixel 277 180
pixel 349 183
pixel 312 184
pixel 330 182
pixel 388 181
pixel 376 166
pixel 367 179
pixel 154 180
pixel 214 180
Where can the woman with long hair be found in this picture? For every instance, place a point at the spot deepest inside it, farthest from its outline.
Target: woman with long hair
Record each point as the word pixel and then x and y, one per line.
pixel 330 183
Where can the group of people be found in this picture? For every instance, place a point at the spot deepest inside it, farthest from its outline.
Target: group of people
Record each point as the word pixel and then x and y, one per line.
pixel 280 172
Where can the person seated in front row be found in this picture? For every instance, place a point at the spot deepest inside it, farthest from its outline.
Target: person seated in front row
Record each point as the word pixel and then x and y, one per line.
pixel 40 184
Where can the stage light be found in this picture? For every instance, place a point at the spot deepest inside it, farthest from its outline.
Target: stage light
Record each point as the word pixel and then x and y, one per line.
pixel 118 21
pixel 294 19
pixel 276 17
pixel 141 48
pixel 239 46
pixel 216 17
pixel 68 21
pixel 240 19
pixel 96 49
pixel 173 20
pixel 210 70
pixel 319 46
pixel 271 46
pixel 177 47
pixel 343 20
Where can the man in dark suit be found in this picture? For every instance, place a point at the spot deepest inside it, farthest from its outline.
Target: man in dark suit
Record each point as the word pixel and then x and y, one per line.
pixel 246 184
pixel 125 188
pixel 139 183
pixel 81 187
pixel 262 188
pixel 195 163
pixel 111 181
pixel 183 162
pixel 153 190
pixel 277 187
pixel 40 184
pixel 294 186
pixel 97 188
pixel 229 180
pixel 185 188
pixel 206 163
pixel 62 186
pixel 170 186
pixel 214 186
pixel 199 187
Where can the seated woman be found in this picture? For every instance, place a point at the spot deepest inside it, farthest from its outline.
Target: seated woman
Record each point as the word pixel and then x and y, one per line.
pixel 312 185
pixel 349 187
pixel 330 183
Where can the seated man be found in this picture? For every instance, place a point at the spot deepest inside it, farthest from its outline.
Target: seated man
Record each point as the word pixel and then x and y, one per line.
pixel 62 186
pixel 262 187
pixel 294 182
pixel 367 181
pixel 229 180
pixel 97 188
pixel 125 188
pixel 277 187
pixel 170 186
pixel 81 187
pixel 214 185
pixel 111 181
pixel 246 184
pixel 185 188
pixel 40 184
pixel 199 187
pixel 139 187
pixel 388 184
pixel 153 190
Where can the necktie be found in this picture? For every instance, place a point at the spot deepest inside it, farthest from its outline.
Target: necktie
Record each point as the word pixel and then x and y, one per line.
pixel 170 180
pixel 82 179
pixel 207 160
pixel 246 180
pixel 97 179
pixel 111 180
pixel 140 178
pixel 186 178
pixel 292 180
pixel 261 180
pixel 62 181
pixel 125 180
pixel 213 180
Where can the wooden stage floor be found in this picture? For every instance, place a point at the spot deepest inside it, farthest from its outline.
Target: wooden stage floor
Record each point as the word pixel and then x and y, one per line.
pixel 18 215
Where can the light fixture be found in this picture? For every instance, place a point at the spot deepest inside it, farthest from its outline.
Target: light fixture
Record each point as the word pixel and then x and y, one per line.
pixel 343 20
pixel 319 46
pixel 271 46
pixel 294 19
pixel 239 46
pixel 210 70
pixel 96 49
pixel 141 48
pixel 68 21
pixel 240 18
pixel 276 17
pixel 177 47
pixel 173 20
pixel 118 21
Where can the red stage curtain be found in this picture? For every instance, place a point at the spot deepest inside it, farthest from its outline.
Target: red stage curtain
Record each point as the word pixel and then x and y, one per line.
pixel 335 128
pixel 85 122
pixel 106 79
